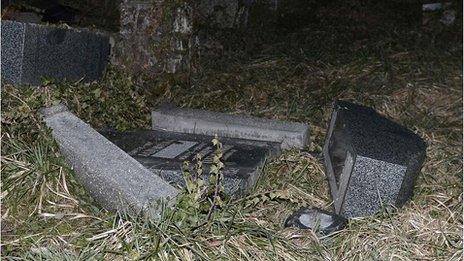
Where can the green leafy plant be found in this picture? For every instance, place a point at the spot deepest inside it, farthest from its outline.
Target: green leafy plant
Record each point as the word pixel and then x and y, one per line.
pixel 198 201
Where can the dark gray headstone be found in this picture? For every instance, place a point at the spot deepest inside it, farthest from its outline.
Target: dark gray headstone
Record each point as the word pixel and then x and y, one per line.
pixel 165 152
pixel 370 161
pixel 31 52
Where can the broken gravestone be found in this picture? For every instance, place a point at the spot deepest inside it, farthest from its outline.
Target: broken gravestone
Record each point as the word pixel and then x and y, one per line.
pixel 370 161
pixel 179 134
pixel 31 52
pixel 317 220
pixel 114 179
pixel 165 152
pixel 288 134
pixel 247 140
pixel 139 170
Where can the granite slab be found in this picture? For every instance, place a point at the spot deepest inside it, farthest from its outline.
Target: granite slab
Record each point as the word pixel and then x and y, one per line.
pixel 371 162
pixel 183 120
pixel 164 153
pixel 33 52
pixel 115 180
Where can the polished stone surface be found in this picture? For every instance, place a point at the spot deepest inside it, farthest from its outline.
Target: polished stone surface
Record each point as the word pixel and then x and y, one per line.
pixel 33 52
pixel 371 161
pixel 165 152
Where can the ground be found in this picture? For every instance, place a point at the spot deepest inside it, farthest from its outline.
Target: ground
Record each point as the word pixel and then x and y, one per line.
pixel 410 73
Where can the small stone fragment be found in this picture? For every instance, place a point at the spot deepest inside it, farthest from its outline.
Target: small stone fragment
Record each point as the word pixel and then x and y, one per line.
pixel 316 219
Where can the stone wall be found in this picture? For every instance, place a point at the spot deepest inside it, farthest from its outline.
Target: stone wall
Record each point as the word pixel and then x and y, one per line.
pixel 156 36
pixel 223 13
pixel 164 36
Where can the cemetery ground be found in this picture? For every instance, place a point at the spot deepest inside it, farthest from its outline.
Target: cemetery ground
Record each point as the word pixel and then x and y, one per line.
pixel 408 73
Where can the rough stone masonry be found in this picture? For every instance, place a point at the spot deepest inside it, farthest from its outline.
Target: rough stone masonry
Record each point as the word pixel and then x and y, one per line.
pixel 164 36
pixel 156 36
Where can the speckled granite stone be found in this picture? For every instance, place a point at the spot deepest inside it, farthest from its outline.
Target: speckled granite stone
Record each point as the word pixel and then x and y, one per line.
pixel 164 153
pixel 31 52
pixel 113 178
pixel 12 51
pixel 370 160
pixel 184 120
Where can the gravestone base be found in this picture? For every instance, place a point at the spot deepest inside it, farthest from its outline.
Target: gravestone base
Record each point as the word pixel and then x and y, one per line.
pixel 288 134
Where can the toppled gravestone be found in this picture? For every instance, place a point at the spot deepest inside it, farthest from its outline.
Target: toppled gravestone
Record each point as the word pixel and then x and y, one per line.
pixel 31 52
pixel 288 134
pixel 164 152
pixel 370 161
pixel 138 170
pixel 113 178
pixel 317 220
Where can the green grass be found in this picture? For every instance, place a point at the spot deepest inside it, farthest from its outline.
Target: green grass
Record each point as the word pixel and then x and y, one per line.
pixel 411 74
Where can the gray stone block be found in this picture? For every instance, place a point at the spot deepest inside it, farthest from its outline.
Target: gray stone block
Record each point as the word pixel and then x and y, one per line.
pixel 113 178
pixel 165 152
pixel 289 134
pixel 31 52
pixel 371 162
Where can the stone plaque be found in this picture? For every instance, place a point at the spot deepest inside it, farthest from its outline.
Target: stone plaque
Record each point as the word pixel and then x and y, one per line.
pixel 165 152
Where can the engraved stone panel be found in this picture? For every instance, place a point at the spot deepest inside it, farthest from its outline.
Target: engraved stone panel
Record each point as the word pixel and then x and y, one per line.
pixel 165 152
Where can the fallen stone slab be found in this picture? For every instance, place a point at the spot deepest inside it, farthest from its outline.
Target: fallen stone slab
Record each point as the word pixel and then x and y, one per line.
pixel 31 52
pixel 317 220
pixel 114 179
pixel 165 152
pixel 371 162
pixel 289 134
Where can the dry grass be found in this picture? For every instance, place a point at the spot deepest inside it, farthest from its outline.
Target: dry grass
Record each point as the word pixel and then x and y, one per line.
pixel 408 73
